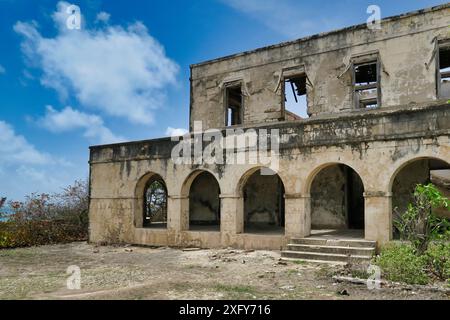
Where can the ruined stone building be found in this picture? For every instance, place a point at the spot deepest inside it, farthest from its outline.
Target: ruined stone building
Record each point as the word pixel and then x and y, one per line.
pixel 362 116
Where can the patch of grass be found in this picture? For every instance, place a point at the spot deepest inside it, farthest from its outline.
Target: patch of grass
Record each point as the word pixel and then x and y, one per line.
pixel 235 289
pixel 324 272
pixel 300 262
pixel 291 272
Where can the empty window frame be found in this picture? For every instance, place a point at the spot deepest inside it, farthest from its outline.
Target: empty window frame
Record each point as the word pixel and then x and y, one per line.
pixel 366 85
pixel 234 105
pixel 295 97
pixel 443 72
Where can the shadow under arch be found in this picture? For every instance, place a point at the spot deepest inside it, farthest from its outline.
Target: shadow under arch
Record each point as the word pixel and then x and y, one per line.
pixel 262 194
pixel 337 201
pixel 202 191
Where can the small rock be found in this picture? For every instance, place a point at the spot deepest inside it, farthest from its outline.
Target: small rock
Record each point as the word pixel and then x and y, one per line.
pixel 343 292
pixel 261 276
pixel 96 251
pixel 128 250
pixel 320 287
pixel 243 261
pixel 282 263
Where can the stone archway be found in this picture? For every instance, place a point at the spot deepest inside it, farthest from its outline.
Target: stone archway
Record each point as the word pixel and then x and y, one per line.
pixel 336 199
pixel 262 193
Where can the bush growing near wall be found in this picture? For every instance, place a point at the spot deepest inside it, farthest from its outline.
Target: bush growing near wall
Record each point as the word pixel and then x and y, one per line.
pixel 426 255
pixel 419 224
pixel 438 260
pixel 46 219
pixel 399 263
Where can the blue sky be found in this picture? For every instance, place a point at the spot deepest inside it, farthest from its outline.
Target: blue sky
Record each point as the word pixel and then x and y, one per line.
pixel 125 74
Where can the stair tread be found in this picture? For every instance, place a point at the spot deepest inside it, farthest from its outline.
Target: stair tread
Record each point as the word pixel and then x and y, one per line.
pixel 341 263
pixel 327 246
pixel 337 240
pixel 337 255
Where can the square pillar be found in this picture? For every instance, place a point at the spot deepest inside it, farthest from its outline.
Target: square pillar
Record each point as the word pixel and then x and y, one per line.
pixel 231 214
pixel 177 213
pixel 231 217
pixel 378 216
pixel 297 215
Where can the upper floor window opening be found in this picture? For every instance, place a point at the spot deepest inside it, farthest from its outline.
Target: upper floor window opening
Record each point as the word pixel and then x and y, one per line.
pixel 295 97
pixel 443 71
pixel 234 105
pixel 366 85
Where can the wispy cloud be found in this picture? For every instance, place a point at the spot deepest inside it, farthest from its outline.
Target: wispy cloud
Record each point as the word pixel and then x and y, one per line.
pixel 70 119
pixel 103 17
pixel 290 18
pixel 176 132
pixel 25 169
pixel 123 72
pixel 14 148
pixel 2 69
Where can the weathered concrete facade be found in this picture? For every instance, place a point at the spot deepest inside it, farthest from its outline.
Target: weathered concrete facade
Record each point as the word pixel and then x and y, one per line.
pixel 344 167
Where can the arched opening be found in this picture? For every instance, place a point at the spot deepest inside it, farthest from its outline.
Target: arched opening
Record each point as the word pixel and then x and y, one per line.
pixel 204 203
pixel 263 194
pixel 155 203
pixel 418 171
pixel 337 201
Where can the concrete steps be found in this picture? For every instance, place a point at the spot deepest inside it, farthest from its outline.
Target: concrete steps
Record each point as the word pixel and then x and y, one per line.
pixel 330 250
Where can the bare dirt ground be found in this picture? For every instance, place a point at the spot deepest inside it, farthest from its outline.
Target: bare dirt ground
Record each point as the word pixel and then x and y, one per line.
pixel 165 273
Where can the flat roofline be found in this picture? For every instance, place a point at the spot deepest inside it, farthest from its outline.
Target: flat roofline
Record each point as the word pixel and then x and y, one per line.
pixel 322 35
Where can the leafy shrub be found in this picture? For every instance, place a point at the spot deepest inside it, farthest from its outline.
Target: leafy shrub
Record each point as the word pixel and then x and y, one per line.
pixel 47 219
pixel 419 224
pixel 438 260
pixel 399 263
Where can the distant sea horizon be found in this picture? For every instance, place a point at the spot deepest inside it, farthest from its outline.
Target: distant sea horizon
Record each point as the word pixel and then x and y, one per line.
pixel 5 211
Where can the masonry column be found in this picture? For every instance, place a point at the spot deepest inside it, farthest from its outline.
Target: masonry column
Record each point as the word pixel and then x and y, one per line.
pixel 177 213
pixel 297 215
pixel 231 217
pixel 378 216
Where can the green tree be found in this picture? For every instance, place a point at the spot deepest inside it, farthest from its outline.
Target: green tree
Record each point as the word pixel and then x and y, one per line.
pixel 419 224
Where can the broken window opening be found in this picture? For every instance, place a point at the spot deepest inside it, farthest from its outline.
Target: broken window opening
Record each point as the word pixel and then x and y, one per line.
pixel 366 85
pixel 155 204
pixel 295 98
pixel 444 72
pixel 234 103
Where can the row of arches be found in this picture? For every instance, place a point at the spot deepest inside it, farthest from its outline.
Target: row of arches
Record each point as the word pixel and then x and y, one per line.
pixel 336 191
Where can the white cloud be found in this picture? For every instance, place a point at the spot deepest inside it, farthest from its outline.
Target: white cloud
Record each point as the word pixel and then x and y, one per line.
pixel 25 169
pixel 103 17
pixel 69 119
pixel 287 17
pixel 123 72
pixel 176 132
pixel 2 69
pixel 15 148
